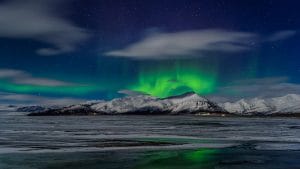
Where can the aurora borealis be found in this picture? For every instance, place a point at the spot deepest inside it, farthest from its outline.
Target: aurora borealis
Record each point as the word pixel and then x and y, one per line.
pixel 175 80
pixel 86 50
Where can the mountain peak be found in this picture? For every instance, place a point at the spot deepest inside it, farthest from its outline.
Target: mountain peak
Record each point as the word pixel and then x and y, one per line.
pixel 189 103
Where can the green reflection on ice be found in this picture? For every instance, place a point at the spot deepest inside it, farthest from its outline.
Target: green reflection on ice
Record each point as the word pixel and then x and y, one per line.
pixel 197 159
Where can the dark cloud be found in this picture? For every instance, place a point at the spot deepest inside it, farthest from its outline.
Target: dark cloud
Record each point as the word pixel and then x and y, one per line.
pixel 38 20
pixel 13 98
pixel 281 35
pixel 21 77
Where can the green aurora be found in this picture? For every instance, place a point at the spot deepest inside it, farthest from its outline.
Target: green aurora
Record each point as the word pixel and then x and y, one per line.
pixel 174 80
pixel 159 80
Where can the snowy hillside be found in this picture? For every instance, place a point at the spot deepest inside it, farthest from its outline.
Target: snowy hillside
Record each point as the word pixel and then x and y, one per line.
pixel 189 103
pixel 284 105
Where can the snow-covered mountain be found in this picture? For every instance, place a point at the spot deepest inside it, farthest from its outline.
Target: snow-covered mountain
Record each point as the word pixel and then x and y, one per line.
pixel 142 104
pixel 32 108
pixel 189 103
pixel 288 104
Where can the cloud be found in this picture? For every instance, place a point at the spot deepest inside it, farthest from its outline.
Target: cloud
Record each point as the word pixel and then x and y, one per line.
pixel 38 20
pixel 281 35
pixel 21 77
pixel 257 87
pixel 179 44
pixel 12 98
pixel 261 81
pixel 193 43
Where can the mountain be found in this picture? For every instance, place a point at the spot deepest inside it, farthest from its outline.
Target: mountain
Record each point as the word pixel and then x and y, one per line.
pixel 189 103
pixel 285 105
pixel 5 108
pixel 32 108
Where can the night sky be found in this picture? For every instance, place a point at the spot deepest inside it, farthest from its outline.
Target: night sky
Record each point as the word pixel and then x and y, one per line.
pixel 59 52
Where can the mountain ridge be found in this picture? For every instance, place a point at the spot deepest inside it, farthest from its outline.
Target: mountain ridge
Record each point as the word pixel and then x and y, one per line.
pixel 287 104
pixel 189 103
pixel 141 104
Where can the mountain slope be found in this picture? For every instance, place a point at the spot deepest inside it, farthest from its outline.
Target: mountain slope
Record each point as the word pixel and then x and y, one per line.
pixel 278 105
pixel 189 104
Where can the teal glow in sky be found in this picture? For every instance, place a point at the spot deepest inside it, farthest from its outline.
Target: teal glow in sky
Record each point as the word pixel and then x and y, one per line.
pixel 84 50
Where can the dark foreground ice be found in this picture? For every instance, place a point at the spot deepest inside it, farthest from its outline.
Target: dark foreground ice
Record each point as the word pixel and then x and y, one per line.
pixel 148 142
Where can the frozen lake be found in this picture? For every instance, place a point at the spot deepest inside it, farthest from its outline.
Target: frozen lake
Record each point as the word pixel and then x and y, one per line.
pixel 154 142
